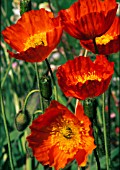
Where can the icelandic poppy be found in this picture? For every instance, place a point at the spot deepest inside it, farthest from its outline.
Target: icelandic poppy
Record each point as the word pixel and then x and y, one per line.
pixel 58 136
pixel 34 36
pixel 87 19
pixel 82 78
pixel 108 43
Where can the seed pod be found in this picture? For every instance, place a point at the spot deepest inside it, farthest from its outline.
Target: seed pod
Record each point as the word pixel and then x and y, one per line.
pixel 22 120
pixel 90 106
pixel 46 89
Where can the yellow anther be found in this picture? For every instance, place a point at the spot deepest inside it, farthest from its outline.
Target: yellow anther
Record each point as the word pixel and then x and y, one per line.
pixel 104 39
pixel 89 76
pixel 35 40
pixel 66 134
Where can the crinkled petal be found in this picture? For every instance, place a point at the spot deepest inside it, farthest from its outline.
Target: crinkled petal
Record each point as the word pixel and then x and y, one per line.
pixel 88 19
pixel 75 81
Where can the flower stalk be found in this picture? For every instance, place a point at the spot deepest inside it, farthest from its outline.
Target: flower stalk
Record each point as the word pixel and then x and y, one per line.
pixel 7 134
pixel 104 121
pixel 27 98
pixel 38 83
pixel 95 46
pixel 7 71
pixel 105 131
pixel 90 108
pixel 53 79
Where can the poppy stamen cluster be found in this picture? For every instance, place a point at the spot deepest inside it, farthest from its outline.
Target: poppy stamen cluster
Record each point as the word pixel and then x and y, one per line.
pixel 68 134
pixel 106 38
pixel 35 40
pixel 108 43
pixel 88 76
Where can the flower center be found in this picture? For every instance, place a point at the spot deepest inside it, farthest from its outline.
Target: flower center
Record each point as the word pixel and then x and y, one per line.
pixel 104 39
pixel 67 135
pixel 67 132
pixel 35 40
pixel 89 76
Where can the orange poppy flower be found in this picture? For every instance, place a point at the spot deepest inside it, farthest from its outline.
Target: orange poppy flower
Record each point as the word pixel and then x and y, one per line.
pixel 108 43
pixel 58 136
pixel 34 36
pixel 81 78
pixel 87 19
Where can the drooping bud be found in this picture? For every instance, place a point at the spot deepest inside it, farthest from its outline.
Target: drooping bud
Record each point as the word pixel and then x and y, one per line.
pixel 22 120
pixel 46 89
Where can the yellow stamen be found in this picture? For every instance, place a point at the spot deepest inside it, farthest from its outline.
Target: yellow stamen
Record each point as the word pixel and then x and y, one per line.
pixel 104 39
pixel 67 132
pixel 35 40
pixel 67 135
pixel 89 76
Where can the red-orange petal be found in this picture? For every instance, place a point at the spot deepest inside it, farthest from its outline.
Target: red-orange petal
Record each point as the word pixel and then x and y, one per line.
pixel 29 25
pixel 41 138
pixel 58 158
pixel 112 46
pixel 88 19
pixel 70 74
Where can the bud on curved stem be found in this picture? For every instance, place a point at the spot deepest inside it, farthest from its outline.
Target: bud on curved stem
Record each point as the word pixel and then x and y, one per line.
pixel 22 120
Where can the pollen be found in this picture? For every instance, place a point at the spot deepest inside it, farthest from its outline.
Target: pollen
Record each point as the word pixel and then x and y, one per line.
pixel 104 39
pixel 35 40
pixel 67 135
pixel 67 132
pixel 89 76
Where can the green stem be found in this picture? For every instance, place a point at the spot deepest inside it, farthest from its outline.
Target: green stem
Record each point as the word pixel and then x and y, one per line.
pixel 50 6
pixel 85 54
pixel 3 12
pixel 7 71
pixel 58 6
pixel 38 83
pixel 53 80
pixel 90 108
pixel 95 46
pixel 109 124
pixel 97 158
pixel 7 134
pixel 105 132
pixel 91 158
pixel 27 97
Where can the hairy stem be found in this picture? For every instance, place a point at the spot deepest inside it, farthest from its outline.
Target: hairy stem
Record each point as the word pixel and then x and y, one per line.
pixel 53 80
pixel 105 132
pixel 38 83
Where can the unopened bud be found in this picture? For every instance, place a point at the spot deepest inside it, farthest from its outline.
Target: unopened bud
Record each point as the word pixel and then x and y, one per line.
pixel 46 89
pixel 22 120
